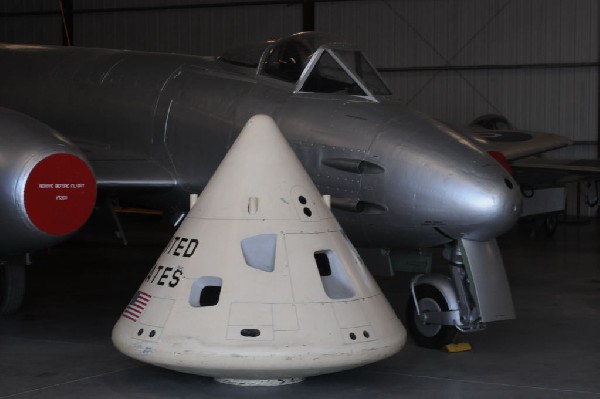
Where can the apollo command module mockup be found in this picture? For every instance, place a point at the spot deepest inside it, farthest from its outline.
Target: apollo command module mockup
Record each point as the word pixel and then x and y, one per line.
pixel 259 285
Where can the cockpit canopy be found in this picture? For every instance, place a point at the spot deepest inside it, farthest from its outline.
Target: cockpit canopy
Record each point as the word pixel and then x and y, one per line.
pixel 312 62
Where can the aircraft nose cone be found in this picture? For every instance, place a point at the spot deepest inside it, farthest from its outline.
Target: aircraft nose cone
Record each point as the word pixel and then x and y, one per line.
pixel 491 205
pixel 477 202
pixel 442 186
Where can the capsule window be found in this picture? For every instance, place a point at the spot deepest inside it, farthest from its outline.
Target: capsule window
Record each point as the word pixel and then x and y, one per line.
pixel 259 251
pixel 206 291
pixel 335 281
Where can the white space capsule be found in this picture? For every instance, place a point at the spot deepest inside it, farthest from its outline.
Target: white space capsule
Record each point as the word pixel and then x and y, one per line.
pixel 259 285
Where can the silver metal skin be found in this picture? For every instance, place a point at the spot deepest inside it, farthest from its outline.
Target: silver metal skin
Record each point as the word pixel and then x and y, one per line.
pixel 155 127
pixel 156 121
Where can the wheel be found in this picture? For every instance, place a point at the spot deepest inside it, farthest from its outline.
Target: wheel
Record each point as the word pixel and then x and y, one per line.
pixel 432 336
pixel 12 287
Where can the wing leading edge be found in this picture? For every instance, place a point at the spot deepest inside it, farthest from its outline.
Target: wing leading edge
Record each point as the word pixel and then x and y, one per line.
pixel 132 174
pixel 515 144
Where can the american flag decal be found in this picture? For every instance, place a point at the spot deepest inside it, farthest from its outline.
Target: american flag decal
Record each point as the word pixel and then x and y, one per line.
pixel 137 305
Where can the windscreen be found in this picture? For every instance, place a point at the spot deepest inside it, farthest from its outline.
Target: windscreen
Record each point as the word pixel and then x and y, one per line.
pixel 338 69
pixel 356 62
pixel 328 76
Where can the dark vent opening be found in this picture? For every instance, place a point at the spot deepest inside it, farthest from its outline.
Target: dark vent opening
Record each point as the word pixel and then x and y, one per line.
pixel 323 264
pixel 210 295
pixel 250 332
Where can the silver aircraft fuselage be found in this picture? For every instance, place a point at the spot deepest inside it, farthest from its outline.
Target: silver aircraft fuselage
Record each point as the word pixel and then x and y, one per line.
pixel 397 178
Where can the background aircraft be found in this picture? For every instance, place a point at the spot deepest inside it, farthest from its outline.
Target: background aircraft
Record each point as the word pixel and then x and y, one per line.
pixel 537 176
pixel 152 128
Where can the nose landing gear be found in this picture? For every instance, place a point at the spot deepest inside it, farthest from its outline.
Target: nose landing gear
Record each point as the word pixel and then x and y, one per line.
pixel 477 293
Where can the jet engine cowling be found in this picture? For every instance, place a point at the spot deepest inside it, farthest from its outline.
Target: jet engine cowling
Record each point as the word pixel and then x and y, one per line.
pixel 47 188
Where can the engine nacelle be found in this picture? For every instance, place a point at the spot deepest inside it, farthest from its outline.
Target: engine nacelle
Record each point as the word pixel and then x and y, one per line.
pixel 47 188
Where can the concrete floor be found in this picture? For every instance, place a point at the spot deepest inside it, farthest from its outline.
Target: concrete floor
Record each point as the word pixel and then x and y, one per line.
pixel 59 345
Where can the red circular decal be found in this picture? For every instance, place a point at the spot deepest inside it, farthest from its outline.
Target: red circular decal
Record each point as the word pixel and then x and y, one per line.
pixel 60 194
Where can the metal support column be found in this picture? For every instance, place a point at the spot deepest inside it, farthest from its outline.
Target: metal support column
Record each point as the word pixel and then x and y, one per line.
pixel 308 15
pixel 66 15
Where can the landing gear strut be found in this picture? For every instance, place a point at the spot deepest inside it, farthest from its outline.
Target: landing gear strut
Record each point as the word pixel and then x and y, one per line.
pixel 12 287
pixel 477 293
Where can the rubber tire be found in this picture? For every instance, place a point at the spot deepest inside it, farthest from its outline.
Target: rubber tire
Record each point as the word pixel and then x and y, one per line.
pixel 444 335
pixel 12 287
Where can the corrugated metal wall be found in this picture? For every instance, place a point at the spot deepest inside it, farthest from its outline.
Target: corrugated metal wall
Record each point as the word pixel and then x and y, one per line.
pixel 407 36
pixel 437 33
pixel 23 28
pixel 204 31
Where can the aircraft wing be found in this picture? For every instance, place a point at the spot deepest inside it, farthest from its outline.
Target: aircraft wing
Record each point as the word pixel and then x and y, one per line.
pixel 516 144
pixel 495 133
pixel 542 172
pixel 583 167
pixel 116 169
pixel 133 173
